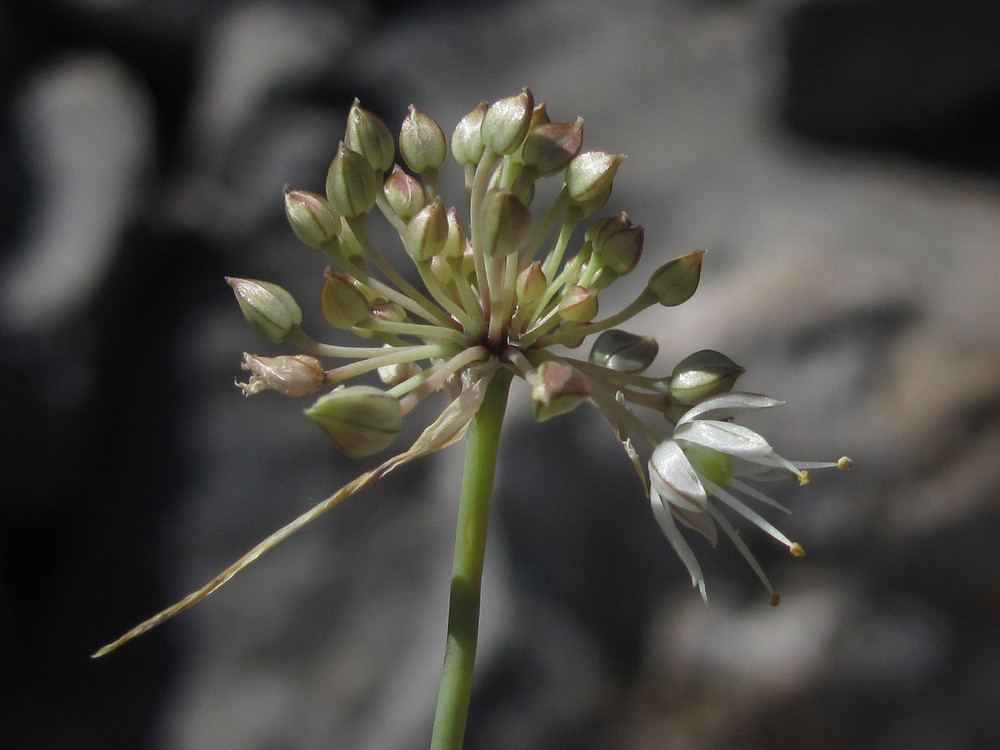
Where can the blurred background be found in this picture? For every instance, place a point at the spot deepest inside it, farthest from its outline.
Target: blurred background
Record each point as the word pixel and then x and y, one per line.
pixel 839 160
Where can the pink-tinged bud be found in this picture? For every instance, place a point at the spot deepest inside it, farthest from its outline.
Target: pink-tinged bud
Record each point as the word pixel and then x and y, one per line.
pixel 422 142
pixel 589 175
pixel 456 244
pixel 578 304
pixel 342 301
pixel 506 122
pixel 623 351
pixel 351 184
pixel 427 232
pixel 370 137
pixel 404 194
pixel 291 375
pixel 531 283
pixel 556 389
pixel 550 147
pixel 504 221
pixel 467 142
pixel 702 375
pixel 362 420
pixel 675 282
pixel 310 217
pixel 271 310
pixel 617 242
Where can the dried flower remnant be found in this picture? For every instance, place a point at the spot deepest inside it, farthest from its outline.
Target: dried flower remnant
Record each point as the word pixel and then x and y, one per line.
pixel 505 286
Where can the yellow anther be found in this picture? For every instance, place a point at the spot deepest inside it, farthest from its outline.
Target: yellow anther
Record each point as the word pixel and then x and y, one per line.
pixel 804 479
pixel 844 463
pixel 775 599
pixel 796 549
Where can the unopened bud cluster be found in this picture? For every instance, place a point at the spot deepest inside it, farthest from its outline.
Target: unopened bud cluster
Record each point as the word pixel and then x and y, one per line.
pixel 501 282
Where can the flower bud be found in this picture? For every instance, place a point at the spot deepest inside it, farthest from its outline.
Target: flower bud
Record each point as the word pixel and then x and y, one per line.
pixel 348 242
pixel 370 137
pixel 506 122
pixel 675 282
pixel 398 373
pixel 589 175
pixel 342 302
pixel 291 375
pixel 623 351
pixel 456 243
pixel 422 142
pixel 310 217
pixel 701 375
pixel 531 283
pixel 505 222
pixel 351 184
pixel 550 147
pixel 604 278
pixel 467 141
pixel 427 232
pixel 404 194
pixel 618 242
pixel 578 304
pixel 271 310
pixel 392 312
pixel 556 389
pixel 362 420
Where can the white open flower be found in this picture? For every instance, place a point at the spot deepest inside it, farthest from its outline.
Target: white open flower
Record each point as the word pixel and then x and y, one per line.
pixel 703 461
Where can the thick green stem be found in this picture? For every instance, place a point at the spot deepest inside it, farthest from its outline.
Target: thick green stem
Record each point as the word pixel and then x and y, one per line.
pixel 470 550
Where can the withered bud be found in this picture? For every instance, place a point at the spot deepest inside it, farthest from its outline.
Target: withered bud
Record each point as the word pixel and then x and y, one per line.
pixel 289 374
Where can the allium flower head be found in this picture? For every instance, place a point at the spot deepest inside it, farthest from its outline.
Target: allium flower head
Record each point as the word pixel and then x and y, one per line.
pixel 505 285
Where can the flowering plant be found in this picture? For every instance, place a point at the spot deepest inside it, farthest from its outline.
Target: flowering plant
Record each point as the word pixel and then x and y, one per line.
pixel 500 296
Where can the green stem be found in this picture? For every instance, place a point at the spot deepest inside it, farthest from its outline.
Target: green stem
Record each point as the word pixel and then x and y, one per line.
pixel 470 549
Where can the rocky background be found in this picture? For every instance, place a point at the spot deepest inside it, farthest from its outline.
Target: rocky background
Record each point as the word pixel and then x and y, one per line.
pixel 840 160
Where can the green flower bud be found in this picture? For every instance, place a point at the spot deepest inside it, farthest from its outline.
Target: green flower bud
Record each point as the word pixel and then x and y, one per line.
pixel 504 221
pixel 556 389
pixel 290 375
pixel 456 244
pixel 404 194
pixel 271 310
pixel 427 232
pixel 675 282
pixel 578 304
pixel 506 122
pixel 342 301
pixel 467 142
pixel 531 283
pixel 701 375
pixel 362 420
pixel 422 142
pixel 550 147
pixel 348 242
pixel 618 242
pixel 351 184
pixel 604 278
pixel 310 217
pixel 384 309
pixel 623 351
pixel 370 137
pixel 589 176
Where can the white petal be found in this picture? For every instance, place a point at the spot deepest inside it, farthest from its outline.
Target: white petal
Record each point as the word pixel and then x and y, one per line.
pixel 700 522
pixel 726 403
pixel 738 542
pixel 673 477
pixel 751 515
pixel 680 546
pixel 725 437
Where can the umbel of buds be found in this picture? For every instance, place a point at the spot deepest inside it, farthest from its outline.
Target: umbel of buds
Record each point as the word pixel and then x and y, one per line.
pixel 501 287
pixel 503 282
